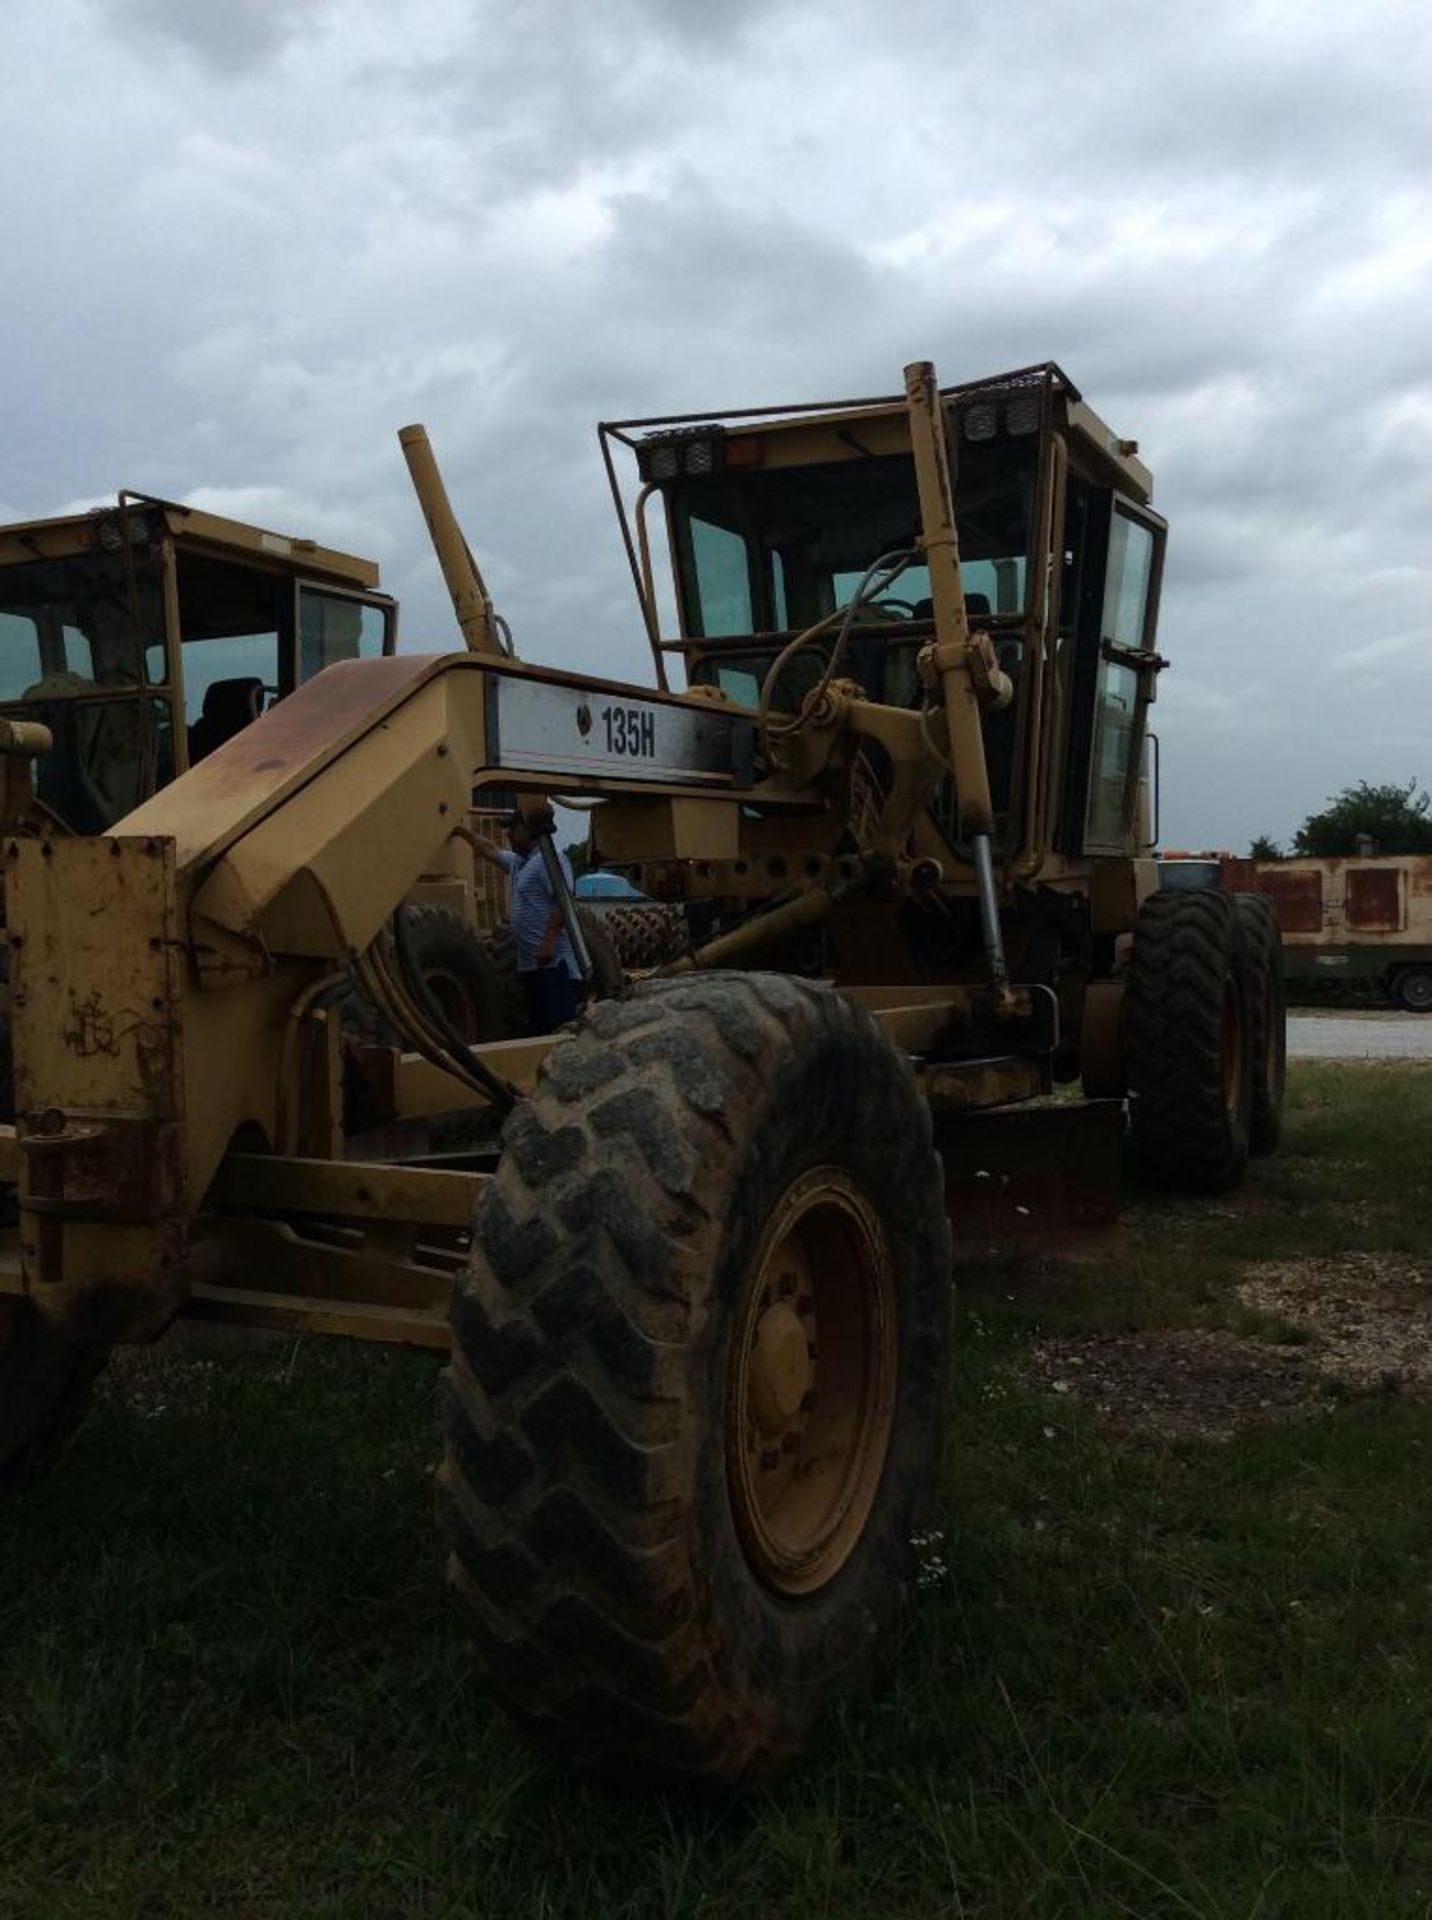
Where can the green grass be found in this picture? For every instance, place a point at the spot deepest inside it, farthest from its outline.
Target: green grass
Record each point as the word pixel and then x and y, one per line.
pixel 1144 1679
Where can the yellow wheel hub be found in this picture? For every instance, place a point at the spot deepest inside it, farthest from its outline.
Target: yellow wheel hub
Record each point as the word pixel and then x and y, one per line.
pixel 780 1367
pixel 811 1392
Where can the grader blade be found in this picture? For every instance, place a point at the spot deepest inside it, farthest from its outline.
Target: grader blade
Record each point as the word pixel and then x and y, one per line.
pixel 1032 1172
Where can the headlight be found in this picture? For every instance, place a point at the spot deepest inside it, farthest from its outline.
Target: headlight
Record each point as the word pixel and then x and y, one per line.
pixel 694 451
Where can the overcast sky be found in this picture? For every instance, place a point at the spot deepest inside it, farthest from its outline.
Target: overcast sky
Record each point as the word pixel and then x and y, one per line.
pixel 246 240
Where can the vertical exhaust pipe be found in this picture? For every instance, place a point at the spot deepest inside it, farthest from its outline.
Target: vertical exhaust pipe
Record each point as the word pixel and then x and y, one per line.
pixel 470 599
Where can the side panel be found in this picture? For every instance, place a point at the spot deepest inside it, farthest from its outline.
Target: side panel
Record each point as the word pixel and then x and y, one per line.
pixel 1375 900
pixel 1298 898
pixel 536 726
pixel 97 963
pixel 96 971
pixel 131 1083
pixel 1332 903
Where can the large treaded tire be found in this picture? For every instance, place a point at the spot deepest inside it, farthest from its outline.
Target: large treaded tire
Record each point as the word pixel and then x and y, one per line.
pixel 501 946
pixel 646 936
pixel 1188 1043
pixel 585 1489
pixel 45 1382
pixel 454 959
pixel 1267 1016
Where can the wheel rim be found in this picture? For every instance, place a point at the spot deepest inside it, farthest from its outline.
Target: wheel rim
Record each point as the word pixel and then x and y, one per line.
pixel 455 1002
pixel 1417 992
pixel 812 1382
pixel 1232 1051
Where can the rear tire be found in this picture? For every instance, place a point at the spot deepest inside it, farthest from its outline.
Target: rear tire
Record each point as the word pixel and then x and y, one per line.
pixel 46 1377
pixel 1267 1016
pixel 458 969
pixel 452 959
pixel 501 945
pixel 1187 1033
pixel 683 1523
pixel 646 936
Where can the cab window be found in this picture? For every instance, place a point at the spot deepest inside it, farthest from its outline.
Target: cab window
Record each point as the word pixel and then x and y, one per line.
pixel 334 627
pixel 778 550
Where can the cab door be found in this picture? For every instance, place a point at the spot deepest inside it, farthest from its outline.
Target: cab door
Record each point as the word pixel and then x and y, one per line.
pixel 1127 670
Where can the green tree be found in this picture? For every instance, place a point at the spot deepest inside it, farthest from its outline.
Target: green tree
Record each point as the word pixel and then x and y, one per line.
pixel 576 852
pixel 1395 817
pixel 1264 848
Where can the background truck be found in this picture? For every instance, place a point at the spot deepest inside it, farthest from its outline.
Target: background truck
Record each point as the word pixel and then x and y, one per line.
pixel 1364 921
pixel 691 1263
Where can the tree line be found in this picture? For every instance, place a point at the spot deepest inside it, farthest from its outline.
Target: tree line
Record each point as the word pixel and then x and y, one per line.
pixel 1397 819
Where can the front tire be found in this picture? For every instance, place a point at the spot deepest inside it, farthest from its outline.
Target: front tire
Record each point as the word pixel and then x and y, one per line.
pixel 700 1365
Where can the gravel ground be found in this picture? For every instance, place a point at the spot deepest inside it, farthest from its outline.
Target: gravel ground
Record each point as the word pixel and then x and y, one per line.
pixel 1374 1035
pixel 1362 1324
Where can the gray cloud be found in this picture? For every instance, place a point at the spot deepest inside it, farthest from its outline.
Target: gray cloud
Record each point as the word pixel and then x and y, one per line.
pixel 512 222
pixel 238 36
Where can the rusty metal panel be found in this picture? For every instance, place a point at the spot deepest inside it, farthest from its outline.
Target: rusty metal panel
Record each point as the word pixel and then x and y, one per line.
pixel 1298 896
pixel 97 976
pixel 1375 902
pixel 97 959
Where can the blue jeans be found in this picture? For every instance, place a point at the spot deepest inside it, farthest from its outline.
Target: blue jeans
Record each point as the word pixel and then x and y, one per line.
pixel 551 998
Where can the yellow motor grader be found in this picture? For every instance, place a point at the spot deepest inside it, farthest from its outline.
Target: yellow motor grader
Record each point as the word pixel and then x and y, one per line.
pixel 691 1260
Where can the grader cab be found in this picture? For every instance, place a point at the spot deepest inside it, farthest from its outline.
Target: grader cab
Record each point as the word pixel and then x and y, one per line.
pixel 691 1259
pixel 145 635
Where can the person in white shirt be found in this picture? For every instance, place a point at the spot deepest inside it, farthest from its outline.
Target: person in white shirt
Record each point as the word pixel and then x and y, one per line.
pixel 546 965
